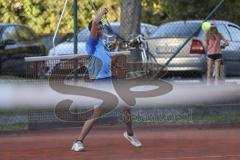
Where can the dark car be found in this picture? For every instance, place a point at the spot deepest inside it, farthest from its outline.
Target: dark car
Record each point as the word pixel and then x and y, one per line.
pixel 16 42
pixel 192 57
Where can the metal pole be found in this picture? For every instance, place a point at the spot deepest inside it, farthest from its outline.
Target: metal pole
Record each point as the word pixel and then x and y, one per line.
pixel 75 9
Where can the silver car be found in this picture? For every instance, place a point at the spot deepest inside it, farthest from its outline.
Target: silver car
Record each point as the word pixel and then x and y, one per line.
pixel 192 57
pixel 66 48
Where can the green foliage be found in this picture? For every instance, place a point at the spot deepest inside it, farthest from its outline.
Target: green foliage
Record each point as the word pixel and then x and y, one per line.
pixel 191 9
pixel 153 12
pixel 195 9
pixel 43 15
pixel 229 11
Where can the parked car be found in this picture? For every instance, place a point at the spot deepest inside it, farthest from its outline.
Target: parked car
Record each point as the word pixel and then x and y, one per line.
pixel 66 48
pixel 192 57
pixel 16 42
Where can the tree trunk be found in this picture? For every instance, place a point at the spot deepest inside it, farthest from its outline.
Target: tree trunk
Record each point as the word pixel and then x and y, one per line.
pixel 130 18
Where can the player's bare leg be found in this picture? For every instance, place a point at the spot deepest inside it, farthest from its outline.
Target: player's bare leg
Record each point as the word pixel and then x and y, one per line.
pixel 217 71
pixel 129 134
pixel 78 145
pixel 209 70
pixel 127 119
pixel 89 123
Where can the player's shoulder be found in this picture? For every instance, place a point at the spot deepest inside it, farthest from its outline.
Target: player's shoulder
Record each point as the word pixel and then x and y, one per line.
pixel 91 40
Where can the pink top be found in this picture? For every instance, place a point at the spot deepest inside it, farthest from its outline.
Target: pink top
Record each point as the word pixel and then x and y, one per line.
pixel 214 46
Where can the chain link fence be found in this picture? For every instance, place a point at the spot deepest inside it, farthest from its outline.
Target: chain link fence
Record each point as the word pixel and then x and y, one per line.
pixel 161 43
pixel 178 115
pixel 181 42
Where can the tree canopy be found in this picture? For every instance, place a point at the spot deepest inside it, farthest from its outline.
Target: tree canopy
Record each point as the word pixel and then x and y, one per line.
pixel 42 15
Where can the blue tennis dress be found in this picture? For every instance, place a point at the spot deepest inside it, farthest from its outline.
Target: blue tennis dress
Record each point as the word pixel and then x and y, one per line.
pixel 100 62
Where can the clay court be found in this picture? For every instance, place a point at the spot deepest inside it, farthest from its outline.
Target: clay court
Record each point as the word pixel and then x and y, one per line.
pixel 107 143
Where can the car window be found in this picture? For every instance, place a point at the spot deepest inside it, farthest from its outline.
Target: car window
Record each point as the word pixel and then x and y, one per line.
pixel 147 30
pixel 25 34
pixel 110 32
pixel 108 29
pixel 10 34
pixel 223 30
pixel 177 30
pixel 84 34
pixel 235 32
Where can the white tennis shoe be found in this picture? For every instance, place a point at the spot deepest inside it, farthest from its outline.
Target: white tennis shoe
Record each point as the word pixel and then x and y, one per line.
pixel 78 146
pixel 133 140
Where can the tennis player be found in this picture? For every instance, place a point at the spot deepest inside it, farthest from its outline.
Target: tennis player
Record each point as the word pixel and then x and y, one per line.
pixel 100 70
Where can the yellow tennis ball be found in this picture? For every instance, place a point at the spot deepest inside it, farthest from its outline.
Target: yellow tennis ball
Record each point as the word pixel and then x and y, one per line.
pixel 206 26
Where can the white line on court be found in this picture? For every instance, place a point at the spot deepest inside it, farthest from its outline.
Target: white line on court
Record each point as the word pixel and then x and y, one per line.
pixel 233 81
pixel 187 81
pixel 237 81
pixel 197 157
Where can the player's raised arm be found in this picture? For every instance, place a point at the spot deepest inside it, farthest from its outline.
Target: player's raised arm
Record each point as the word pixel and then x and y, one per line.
pixel 96 21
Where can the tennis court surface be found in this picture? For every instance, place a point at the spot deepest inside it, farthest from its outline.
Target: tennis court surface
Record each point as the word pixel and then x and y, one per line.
pixel 108 143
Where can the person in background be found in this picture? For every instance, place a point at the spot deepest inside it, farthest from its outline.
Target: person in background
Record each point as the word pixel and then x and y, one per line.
pixel 213 43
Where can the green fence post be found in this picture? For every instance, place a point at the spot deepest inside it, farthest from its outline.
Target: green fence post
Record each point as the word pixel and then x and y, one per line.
pixel 75 11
